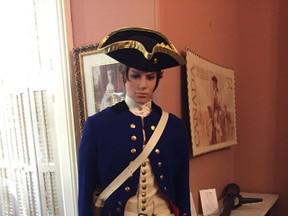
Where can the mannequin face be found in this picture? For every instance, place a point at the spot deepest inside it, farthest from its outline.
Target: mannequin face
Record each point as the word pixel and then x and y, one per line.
pixel 140 85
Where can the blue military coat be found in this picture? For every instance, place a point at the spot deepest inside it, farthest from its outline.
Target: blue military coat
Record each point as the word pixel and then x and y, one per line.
pixel 112 138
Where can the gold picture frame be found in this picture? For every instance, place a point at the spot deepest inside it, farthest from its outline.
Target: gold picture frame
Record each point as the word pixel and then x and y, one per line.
pixel 98 82
pixel 211 101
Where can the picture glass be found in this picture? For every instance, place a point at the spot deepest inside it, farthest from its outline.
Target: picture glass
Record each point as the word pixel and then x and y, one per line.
pixel 103 82
pixel 98 83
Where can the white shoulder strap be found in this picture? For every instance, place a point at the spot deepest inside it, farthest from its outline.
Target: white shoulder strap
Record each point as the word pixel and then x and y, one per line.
pixel 129 170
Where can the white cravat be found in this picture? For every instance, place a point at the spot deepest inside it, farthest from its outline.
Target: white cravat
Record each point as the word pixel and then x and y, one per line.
pixel 138 109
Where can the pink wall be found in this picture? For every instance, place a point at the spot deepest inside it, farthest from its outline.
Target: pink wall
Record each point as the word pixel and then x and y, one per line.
pixel 261 162
pixel 247 36
pixel 92 20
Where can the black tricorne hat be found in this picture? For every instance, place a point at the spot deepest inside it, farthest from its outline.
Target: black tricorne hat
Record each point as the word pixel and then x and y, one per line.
pixel 141 48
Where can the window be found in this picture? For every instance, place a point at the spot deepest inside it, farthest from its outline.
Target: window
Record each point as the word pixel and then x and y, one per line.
pixel 37 147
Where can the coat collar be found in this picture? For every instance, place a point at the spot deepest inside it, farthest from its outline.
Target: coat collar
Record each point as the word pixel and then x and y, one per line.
pixel 122 106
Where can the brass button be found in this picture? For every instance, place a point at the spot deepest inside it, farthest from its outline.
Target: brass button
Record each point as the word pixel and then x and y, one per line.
pixel 133 138
pixel 152 127
pixel 143 180
pixel 143 164
pixel 132 126
pixel 143 172
pixel 118 209
pixel 159 164
pixel 143 208
pixel 133 151
pixel 143 201
pixel 143 187
pixel 127 189
pixel 143 194
pixel 155 61
pixel 120 203
pixel 157 151
pixel 161 177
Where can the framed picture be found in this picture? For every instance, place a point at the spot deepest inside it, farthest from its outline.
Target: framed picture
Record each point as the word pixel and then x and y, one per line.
pixel 211 101
pixel 98 81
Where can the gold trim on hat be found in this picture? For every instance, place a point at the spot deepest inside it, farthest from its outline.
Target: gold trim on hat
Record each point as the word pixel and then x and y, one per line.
pixel 131 44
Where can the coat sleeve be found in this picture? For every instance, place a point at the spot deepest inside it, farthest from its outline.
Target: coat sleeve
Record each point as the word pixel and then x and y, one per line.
pixel 182 180
pixel 87 169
